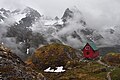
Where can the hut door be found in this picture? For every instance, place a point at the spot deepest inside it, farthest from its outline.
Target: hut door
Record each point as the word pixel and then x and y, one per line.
pixel 87 53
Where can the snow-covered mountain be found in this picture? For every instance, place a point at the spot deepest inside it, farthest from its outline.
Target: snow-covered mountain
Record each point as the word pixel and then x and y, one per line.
pixel 71 29
pixel 15 31
pixel 19 14
pixel 25 30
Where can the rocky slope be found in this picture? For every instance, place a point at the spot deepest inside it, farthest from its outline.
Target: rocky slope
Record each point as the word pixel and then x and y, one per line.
pixel 13 68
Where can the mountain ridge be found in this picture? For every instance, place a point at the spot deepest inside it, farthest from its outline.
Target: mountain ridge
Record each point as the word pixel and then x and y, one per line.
pixel 74 31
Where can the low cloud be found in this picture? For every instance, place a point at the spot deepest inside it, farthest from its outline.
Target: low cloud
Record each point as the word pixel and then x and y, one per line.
pixel 100 13
pixel 10 42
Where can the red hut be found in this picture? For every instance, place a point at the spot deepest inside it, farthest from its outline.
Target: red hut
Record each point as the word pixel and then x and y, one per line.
pixel 90 51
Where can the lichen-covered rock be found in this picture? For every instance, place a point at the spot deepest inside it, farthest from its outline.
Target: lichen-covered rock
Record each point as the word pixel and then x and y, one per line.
pixel 13 68
pixel 53 55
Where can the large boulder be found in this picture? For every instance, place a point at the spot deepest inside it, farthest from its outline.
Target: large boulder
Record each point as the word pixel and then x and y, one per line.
pixel 53 55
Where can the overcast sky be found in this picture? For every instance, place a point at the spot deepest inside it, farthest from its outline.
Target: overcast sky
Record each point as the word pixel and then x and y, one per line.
pixel 96 12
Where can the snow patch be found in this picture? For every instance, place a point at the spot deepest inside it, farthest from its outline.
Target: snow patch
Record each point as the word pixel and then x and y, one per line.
pixel 50 22
pixel 49 70
pixel 59 69
pixel 60 22
pixel 53 22
pixel 18 17
pixel 27 51
pixel 2 43
pixel 1 21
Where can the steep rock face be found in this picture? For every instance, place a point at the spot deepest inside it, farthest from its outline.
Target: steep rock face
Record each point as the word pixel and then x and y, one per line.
pixel 71 29
pixel 31 16
pixel 27 15
pixel 67 14
pixel 4 14
pixel 73 13
pixel 31 13
pixel 75 29
pixel 53 55
pixel 13 68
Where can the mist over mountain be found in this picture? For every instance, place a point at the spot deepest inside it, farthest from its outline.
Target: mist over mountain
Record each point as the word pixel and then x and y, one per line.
pixel 16 33
pixel 24 30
